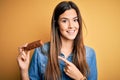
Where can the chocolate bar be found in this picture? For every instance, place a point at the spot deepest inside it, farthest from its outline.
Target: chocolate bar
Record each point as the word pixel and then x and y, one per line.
pixel 33 45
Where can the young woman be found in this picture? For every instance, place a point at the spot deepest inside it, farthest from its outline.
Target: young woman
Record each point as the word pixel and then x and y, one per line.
pixel 65 57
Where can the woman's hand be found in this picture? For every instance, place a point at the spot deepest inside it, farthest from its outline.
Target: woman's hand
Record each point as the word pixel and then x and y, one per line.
pixel 23 59
pixel 23 62
pixel 71 70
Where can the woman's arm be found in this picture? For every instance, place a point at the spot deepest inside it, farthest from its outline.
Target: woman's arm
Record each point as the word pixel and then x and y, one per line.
pixel 23 60
pixel 24 75
pixel 71 70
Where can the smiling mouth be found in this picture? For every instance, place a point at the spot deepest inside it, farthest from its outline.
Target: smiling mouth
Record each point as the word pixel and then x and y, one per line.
pixel 70 31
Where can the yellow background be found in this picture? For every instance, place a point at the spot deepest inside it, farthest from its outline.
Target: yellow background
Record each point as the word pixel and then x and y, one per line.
pixel 24 21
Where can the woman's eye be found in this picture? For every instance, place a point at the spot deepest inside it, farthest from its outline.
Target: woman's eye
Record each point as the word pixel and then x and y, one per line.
pixel 64 21
pixel 75 20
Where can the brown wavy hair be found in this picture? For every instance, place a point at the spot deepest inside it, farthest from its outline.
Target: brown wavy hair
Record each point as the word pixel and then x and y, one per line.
pixel 79 55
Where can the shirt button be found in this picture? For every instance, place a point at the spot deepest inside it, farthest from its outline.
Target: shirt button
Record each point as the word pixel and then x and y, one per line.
pixel 43 65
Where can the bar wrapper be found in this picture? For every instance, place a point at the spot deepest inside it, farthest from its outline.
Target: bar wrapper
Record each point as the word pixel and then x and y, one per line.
pixel 33 45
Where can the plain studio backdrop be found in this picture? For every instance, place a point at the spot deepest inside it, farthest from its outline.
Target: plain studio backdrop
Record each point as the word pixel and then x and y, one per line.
pixel 24 21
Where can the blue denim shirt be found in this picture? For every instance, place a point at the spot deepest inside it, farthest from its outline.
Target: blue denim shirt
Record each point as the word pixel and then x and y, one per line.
pixel 39 62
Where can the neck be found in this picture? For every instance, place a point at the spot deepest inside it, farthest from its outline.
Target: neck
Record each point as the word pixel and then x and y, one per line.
pixel 66 47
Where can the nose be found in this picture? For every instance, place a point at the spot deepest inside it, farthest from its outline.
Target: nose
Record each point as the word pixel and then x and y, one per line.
pixel 71 25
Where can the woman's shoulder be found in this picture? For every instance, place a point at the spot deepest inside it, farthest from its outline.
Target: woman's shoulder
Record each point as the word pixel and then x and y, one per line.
pixel 90 52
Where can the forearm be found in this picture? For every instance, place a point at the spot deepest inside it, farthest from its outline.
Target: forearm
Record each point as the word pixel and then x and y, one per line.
pixel 24 76
pixel 81 78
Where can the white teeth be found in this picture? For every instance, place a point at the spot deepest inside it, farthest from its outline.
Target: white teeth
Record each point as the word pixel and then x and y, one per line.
pixel 71 31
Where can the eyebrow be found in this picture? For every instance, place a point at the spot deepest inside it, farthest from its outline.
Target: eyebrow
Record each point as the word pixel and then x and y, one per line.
pixel 68 18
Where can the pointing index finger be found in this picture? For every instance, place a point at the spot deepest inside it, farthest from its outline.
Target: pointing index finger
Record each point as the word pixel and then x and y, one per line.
pixel 63 59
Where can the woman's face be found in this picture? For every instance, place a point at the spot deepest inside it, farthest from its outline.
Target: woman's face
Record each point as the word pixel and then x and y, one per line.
pixel 68 24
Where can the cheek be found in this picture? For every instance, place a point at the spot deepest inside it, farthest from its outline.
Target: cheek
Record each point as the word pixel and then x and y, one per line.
pixel 62 27
pixel 77 25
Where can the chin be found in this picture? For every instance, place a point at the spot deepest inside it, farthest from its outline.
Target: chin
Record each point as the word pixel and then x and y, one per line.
pixel 71 38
